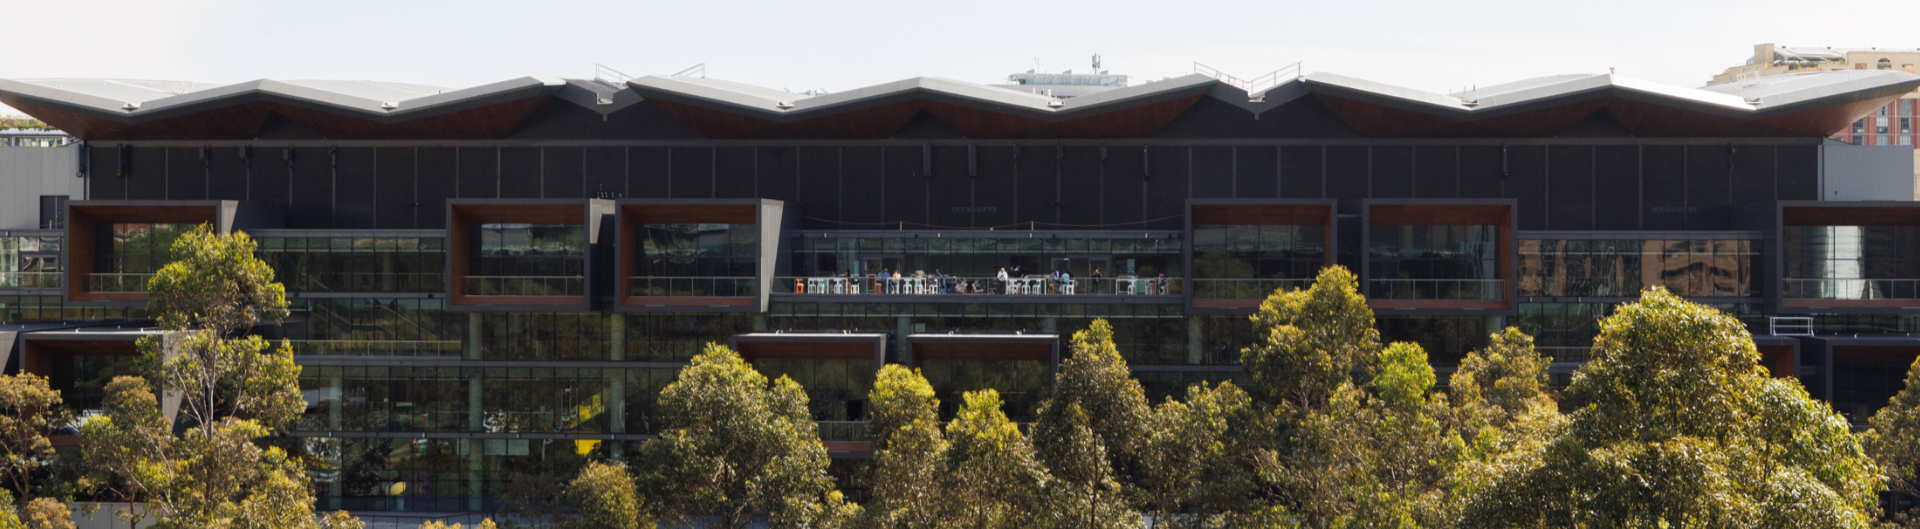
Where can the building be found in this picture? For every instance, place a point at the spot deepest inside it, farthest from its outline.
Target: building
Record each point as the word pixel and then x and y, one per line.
pixel 1890 124
pixel 499 279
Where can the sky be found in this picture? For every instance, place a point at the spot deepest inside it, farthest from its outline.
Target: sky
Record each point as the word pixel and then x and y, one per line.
pixel 1428 45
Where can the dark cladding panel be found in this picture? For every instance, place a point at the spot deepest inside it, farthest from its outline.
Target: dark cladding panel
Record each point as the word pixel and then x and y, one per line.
pixel 1709 190
pixel 1167 187
pixel 950 191
pixel 268 179
pixel 1392 172
pixel 312 204
pixel 1480 172
pixel 1436 172
pixel 993 199
pixel 692 172
pixel 1347 172
pixel 394 200
pixel 647 172
pixel 1570 188
pixel 479 169
pixel 436 183
pixel 733 172
pixel 1254 170
pixel 864 187
pixel 820 187
pixel 1038 186
pixel 1301 172
pixel 103 177
pixel 1664 181
pixel 1753 170
pixel 1212 172
pixel 606 172
pixel 1122 188
pixel 149 178
pixel 353 188
pixel 520 172
pixel 906 189
pixel 1527 181
pixel 226 174
pixel 562 172
pixel 1616 183
pixel 775 168
pixel 1799 172
pixel 1080 186
pixel 186 174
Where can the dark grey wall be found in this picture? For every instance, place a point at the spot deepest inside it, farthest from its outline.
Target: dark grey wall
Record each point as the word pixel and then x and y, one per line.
pixel 1648 185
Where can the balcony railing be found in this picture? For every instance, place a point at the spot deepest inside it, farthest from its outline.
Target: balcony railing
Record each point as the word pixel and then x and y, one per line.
pixel 654 286
pixel 31 280
pixel 118 282
pixel 957 286
pixel 1795 288
pixel 1464 289
pixel 842 430
pixel 376 347
pixel 1244 288
pixel 368 282
pixel 526 286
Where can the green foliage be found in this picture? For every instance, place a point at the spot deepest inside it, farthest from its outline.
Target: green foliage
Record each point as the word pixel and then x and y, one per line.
pixel 605 498
pixel 1087 432
pixel 233 389
pixel 908 450
pixel 1503 413
pixel 1197 457
pixel 23 123
pixel 1310 342
pixel 1894 443
pixel 735 445
pixel 991 477
pixel 27 406
pixel 1677 424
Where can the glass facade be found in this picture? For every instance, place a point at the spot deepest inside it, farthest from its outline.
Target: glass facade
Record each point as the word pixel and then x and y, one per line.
pixel 82 379
pixel 126 255
pixel 1433 262
pixel 371 327
pixel 1621 268
pixel 1081 256
pixel 30 261
pixel 1850 262
pixel 528 260
pixel 696 260
pixel 357 264
pixel 1234 261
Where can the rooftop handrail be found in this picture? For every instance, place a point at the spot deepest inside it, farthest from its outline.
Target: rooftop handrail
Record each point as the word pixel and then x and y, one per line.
pixel 697 70
pixel 526 285
pixel 1827 288
pixel 965 285
pixel 1257 84
pixel 1478 289
pixel 691 286
pixel 610 76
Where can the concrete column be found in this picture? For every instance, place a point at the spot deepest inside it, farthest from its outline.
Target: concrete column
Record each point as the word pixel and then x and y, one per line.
pixel 902 329
pixel 475 448
pixel 475 419
pixel 617 400
pixel 617 337
pixel 1196 347
pixel 338 387
pixel 473 336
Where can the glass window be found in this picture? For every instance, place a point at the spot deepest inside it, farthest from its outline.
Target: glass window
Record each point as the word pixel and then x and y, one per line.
pixel 1880 123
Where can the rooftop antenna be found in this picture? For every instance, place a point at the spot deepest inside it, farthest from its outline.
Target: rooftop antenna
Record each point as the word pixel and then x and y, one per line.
pixel 1096 62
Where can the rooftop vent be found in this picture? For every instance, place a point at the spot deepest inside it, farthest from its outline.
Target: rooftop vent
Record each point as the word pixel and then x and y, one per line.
pixel 389 105
pixel 130 107
pixel 783 104
pixel 1054 103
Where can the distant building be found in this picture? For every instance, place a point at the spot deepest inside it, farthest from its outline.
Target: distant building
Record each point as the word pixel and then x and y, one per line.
pixel 1891 124
pixel 1065 84
pixel 34 138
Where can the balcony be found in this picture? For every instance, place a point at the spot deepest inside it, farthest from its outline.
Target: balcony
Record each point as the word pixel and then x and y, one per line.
pixel 1439 255
pixel 118 283
pixel 1244 289
pixel 1243 250
pixel 1848 256
pixel 961 287
pixel 699 255
pixel 1437 289
pixel 512 254
pixel 135 235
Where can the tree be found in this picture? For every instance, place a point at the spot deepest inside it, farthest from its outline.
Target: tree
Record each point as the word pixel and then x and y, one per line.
pixel 1894 443
pixel 991 477
pixel 605 498
pixel 1675 423
pixel 1503 411
pixel 904 425
pixel 234 389
pixel 1088 429
pixel 27 406
pixel 41 513
pixel 1354 437
pixel 1196 460
pixel 735 446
